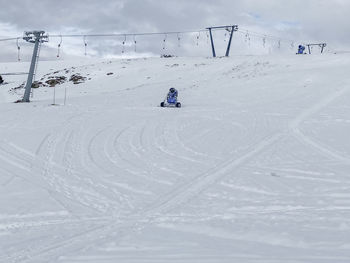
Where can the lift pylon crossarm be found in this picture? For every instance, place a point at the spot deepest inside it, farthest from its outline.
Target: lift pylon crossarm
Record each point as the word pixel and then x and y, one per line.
pixel 235 27
pixel 31 36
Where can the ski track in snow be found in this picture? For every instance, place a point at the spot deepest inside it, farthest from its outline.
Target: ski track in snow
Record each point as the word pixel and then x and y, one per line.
pixel 125 176
pixel 295 126
pixel 175 198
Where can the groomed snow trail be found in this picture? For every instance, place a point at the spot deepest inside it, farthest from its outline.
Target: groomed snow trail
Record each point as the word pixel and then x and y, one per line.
pixel 253 168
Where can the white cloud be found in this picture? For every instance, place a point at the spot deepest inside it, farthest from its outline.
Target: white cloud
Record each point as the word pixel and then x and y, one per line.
pixel 309 20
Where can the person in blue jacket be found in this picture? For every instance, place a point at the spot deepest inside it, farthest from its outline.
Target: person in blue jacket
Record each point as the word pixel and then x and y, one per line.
pixel 301 49
pixel 172 95
pixel 171 99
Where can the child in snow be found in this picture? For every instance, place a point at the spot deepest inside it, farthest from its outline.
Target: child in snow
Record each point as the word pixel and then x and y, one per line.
pixel 171 99
pixel 301 49
pixel 172 94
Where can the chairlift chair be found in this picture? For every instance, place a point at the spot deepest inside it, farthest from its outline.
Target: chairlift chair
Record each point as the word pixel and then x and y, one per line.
pixel 59 47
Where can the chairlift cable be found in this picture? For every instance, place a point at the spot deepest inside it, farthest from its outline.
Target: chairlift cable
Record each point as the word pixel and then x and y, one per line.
pixel 131 34
pixel 241 30
pixel 267 36
pixel 9 39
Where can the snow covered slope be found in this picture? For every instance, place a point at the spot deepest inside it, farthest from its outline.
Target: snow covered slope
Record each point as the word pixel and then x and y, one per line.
pixel 254 168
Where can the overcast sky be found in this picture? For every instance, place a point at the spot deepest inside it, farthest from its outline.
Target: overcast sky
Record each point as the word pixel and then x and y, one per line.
pixel 308 20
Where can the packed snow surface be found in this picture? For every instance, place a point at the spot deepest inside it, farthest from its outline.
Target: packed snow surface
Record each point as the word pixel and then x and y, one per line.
pixel 255 167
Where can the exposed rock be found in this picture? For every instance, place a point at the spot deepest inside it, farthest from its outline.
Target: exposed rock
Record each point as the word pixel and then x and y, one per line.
pixel 172 66
pixel 37 84
pixel 77 79
pixel 166 56
pixel 55 80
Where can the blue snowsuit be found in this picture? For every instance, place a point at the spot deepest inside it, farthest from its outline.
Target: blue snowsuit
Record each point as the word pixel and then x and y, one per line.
pixel 172 96
pixel 301 49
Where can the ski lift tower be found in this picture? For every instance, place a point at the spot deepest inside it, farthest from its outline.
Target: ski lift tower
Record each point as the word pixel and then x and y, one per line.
pixel 35 37
pixel 230 29
pixel 321 45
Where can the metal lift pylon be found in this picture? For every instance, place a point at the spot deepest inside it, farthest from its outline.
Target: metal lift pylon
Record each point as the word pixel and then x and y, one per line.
pixel 231 29
pixel 36 37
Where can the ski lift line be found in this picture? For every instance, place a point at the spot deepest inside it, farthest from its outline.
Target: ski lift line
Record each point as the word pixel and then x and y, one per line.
pixel 111 35
pixel 120 34
pixel 244 30
pixel 149 34
pixel 14 73
pixel 267 37
pixel 252 33
pixel 241 30
pixel 263 36
pixel 130 34
pixel 9 39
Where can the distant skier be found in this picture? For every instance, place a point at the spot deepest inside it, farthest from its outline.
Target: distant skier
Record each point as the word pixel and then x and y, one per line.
pixel 1 80
pixel 301 49
pixel 171 99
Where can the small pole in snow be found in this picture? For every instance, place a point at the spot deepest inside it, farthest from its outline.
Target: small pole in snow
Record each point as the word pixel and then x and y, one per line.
pixel 65 96
pixel 54 96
